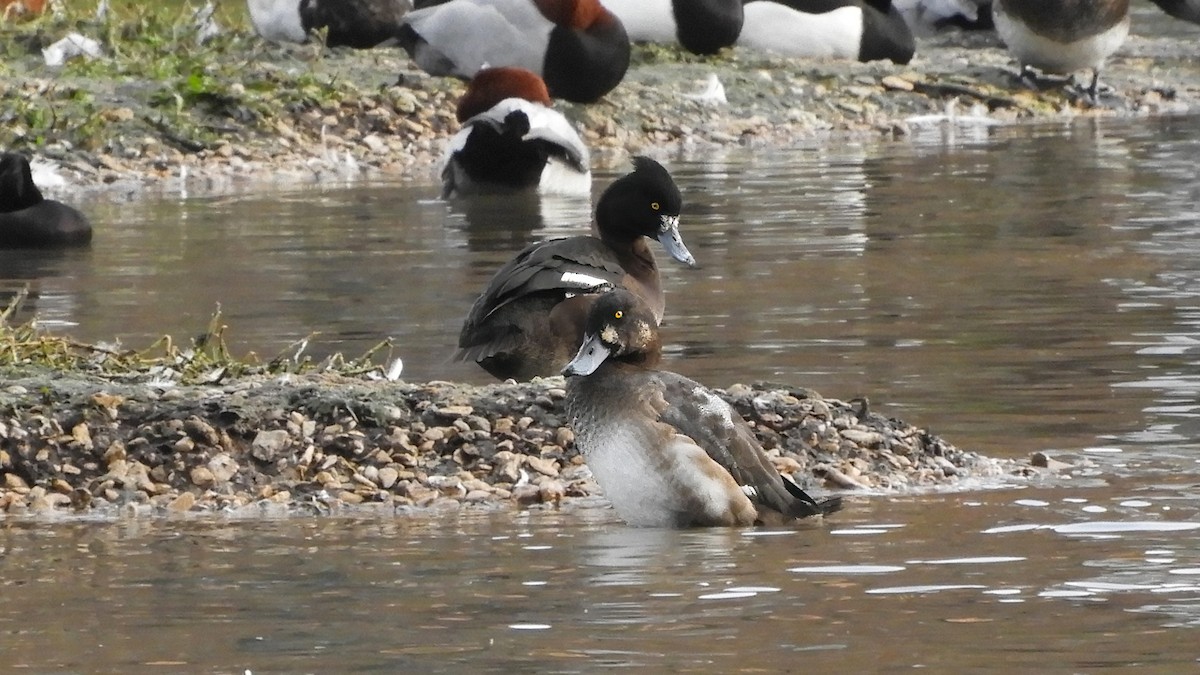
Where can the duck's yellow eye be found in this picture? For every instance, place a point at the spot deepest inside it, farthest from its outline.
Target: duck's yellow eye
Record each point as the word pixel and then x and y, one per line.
pixel 618 314
pixel 655 206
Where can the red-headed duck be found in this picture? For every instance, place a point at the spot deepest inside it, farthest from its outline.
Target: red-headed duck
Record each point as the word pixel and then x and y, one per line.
pixel 529 320
pixel 512 140
pixel 666 450
pixel 579 48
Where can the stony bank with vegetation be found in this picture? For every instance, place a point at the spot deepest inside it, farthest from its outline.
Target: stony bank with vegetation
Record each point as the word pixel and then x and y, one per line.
pixel 188 428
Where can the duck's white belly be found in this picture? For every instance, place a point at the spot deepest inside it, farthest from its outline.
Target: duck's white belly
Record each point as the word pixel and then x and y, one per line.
pixel 774 27
pixel 655 485
pixel 1052 56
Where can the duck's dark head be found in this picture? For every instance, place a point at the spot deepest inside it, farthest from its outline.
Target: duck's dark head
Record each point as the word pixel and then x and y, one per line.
pixel 17 190
pixel 620 326
pixel 644 203
pixel 492 85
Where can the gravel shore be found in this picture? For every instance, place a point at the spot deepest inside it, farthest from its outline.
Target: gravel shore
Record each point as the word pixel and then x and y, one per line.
pixel 288 113
pixel 317 443
pixel 81 442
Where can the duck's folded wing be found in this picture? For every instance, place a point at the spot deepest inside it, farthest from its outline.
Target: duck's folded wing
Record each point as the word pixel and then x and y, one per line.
pixel 463 36
pixel 573 265
pixel 716 427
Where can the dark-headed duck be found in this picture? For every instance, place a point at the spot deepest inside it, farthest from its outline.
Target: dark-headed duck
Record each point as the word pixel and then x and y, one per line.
pixel 529 320
pixel 361 24
pixel 1188 10
pixel 27 219
pixel 865 30
pixel 511 140
pixel 666 450
pixel 699 26
pixel 579 48
pixel 1062 36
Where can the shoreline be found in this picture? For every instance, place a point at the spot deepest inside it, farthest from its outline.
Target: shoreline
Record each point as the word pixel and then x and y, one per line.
pixel 320 443
pixel 299 114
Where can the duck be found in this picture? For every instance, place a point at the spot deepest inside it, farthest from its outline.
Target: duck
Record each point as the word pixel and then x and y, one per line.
pixel 360 24
pixel 866 30
pixel 1188 10
pixel 528 321
pixel 512 140
pixel 666 450
pixel 1062 36
pixel 578 47
pixel 699 26
pixel 27 219
pixel 927 17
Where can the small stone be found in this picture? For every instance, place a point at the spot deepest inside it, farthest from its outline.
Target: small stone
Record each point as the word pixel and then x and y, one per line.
pixel 268 444
pixel 183 503
pixel 202 477
pixel 542 465
pixel 388 477
pixel 223 467
pixel 350 497
pixel 552 492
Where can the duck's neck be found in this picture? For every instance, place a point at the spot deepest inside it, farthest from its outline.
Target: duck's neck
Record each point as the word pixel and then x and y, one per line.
pixel 639 264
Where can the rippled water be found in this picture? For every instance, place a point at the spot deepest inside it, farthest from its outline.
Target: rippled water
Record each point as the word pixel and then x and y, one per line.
pixel 1015 289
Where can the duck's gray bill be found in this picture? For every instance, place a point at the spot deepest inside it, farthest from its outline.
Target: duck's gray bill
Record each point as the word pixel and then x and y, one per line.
pixel 591 354
pixel 668 235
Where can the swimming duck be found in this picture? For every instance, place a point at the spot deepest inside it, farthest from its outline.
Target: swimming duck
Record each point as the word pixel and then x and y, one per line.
pixel 1188 10
pixel 27 219
pixel 699 26
pixel 529 320
pixel 666 450
pixel 361 24
pixel 512 140
pixel 1062 36
pixel 579 48
pixel 865 30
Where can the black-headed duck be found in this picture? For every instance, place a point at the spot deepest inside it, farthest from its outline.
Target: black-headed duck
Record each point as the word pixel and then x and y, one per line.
pixel 29 220
pixel 577 46
pixel 1062 36
pixel 864 30
pixel 699 26
pixel 529 320
pixel 666 450
pixel 512 140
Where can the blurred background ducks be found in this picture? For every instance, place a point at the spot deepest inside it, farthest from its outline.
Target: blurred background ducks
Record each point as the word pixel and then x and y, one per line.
pixel 863 30
pixel 512 140
pixel 577 46
pixel 1062 36
pixel 351 23
pixel 699 26
pixel 16 10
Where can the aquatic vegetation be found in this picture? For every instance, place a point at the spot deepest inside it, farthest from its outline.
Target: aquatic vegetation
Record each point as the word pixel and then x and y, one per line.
pixel 205 359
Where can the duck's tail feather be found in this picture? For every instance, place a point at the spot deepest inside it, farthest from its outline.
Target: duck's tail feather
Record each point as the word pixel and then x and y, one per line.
pixel 805 505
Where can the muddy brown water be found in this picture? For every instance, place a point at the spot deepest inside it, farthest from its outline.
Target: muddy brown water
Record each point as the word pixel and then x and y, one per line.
pixel 1014 289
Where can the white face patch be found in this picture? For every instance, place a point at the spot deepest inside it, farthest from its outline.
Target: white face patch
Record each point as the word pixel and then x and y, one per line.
pixel 609 335
pixel 582 280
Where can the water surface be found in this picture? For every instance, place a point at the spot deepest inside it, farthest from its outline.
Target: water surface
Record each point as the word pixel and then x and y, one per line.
pixel 1014 289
